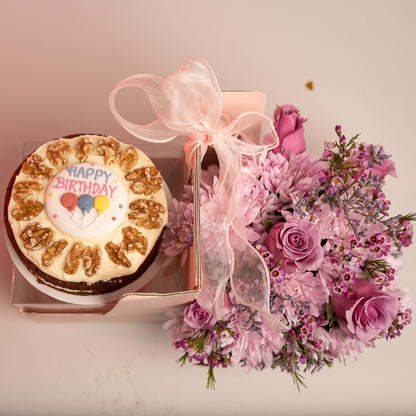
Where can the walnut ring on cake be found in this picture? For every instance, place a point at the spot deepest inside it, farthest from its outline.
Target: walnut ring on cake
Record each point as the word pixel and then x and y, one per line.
pixel 86 213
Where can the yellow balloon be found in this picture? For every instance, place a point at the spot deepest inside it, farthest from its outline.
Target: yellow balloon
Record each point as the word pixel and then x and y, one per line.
pixel 101 203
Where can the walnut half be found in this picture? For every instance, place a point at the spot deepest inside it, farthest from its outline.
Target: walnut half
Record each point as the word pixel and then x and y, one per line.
pixel 110 150
pixel 133 239
pixel 128 158
pixel 27 210
pixel 53 252
pixel 90 257
pixel 36 237
pixel 147 180
pixel 25 189
pixel 36 168
pixel 146 213
pixel 57 153
pixel 83 149
pixel 117 254
pixel 73 259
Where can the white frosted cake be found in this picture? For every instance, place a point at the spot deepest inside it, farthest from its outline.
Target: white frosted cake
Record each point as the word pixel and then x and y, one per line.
pixel 86 213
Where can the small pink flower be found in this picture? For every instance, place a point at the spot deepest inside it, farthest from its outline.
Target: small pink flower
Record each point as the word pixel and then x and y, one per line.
pixel 327 154
pixel 289 127
pixel 324 174
pixel 298 241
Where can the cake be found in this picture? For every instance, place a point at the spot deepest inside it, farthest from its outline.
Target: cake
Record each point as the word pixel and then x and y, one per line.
pixel 86 213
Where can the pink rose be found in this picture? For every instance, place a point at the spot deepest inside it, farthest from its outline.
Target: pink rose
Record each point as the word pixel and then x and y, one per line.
pixel 368 313
pixel 289 127
pixel 298 241
pixel 196 317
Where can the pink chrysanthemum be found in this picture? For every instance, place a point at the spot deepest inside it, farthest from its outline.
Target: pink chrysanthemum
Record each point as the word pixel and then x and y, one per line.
pixel 178 236
pixel 256 343
pixel 301 175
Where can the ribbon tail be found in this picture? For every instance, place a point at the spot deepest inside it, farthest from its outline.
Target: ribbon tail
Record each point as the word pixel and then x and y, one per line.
pixel 250 280
pixel 216 260
pixel 226 253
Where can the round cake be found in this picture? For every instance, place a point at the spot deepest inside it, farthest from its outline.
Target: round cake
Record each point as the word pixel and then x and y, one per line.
pixel 85 213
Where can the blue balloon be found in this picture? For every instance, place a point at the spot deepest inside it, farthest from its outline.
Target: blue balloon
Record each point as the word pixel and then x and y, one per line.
pixel 85 203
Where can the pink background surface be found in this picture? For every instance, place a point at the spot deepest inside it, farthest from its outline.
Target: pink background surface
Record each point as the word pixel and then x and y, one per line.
pixel 59 61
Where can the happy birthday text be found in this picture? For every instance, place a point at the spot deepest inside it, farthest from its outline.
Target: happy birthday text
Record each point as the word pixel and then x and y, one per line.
pixel 84 187
pixel 89 181
pixel 88 173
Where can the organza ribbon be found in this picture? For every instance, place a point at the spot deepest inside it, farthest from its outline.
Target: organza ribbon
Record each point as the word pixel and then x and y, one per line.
pixel 189 103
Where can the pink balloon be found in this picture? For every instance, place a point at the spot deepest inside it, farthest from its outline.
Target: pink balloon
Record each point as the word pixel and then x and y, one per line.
pixel 69 200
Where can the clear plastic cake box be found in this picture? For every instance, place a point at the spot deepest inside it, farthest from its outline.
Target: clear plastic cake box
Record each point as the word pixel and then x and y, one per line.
pixel 170 286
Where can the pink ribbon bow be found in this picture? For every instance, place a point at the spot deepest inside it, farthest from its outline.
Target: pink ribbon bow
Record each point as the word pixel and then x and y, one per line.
pixel 189 103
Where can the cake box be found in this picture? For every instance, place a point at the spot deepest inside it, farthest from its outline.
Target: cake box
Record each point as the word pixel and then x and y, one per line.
pixel 164 288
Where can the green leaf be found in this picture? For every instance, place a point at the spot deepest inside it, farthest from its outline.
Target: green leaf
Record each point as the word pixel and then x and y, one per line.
pixel 298 380
pixel 330 314
pixel 267 225
pixel 182 360
pixel 408 217
pixel 211 378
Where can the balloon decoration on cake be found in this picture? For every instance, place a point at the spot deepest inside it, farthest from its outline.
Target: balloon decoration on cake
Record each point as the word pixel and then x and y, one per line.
pixel 85 202
pixel 101 204
pixel 70 201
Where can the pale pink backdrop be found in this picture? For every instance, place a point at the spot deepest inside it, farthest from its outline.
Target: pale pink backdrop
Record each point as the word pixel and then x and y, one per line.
pixel 58 62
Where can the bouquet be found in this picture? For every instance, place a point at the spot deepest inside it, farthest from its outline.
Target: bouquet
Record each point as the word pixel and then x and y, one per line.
pixel 323 228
